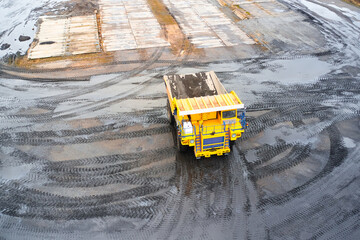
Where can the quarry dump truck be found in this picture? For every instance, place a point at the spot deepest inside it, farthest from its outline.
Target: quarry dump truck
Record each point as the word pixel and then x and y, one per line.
pixel 207 117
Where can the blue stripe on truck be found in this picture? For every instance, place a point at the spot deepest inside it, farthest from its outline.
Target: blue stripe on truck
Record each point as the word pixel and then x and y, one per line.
pixel 213 146
pixel 208 141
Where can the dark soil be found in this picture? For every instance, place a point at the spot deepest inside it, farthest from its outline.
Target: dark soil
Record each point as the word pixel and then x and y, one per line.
pixel 355 2
pixel 190 86
pixel 24 38
pixel 78 7
pixel 4 46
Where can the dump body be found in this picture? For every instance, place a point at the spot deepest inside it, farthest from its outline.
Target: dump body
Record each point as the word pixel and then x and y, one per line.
pixel 207 117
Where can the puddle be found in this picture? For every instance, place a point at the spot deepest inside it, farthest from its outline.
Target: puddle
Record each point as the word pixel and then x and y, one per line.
pixel 324 12
pixel 101 78
pixel 349 143
pixel 223 67
pixel 189 70
pixel 295 71
pixel 289 135
pixel 14 172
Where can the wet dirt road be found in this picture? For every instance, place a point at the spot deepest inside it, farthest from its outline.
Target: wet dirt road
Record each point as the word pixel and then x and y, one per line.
pixel 97 159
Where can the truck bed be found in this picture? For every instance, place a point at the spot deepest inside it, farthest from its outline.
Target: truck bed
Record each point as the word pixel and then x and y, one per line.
pixel 200 93
pixel 194 85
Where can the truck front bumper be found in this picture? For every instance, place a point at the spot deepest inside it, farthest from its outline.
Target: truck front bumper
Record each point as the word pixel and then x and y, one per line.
pixel 214 151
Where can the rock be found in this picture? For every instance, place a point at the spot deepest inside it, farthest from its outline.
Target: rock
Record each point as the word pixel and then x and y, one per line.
pixel 5 46
pixel 48 42
pixel 24 38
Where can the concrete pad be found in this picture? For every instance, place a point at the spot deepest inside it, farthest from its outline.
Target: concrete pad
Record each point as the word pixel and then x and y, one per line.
pixel 129 25
pixel 205 25
pixel 83 35
pixel 51 38
pixel 60 36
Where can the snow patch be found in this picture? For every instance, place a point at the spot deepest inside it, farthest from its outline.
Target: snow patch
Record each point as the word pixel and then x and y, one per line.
pixel 19 18
pixel 349 143
pixel 305 70
pixel 15 172
pixel 322 11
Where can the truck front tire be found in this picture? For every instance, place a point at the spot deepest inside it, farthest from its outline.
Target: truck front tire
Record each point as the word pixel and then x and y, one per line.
pixel 232 143
pixel 180 147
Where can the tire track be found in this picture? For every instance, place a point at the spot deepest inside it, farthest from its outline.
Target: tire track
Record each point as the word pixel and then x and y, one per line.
pixel 155 55
pixel 82 172
pixel 51 213
pixel 88 139
pixel 104 103
pixel 125 121
pixel 139 177
pixel 267 152
pixel 297 155
pixel 120 97
pixel 53 100
pixel 37 199
pixel 106 170
pixel 337 155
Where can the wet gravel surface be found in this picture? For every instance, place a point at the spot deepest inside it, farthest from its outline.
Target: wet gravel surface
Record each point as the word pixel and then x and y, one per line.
pixel 97 159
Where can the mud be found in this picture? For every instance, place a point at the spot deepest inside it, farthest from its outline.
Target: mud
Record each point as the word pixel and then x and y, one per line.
pixel 77 7
pixel 97 159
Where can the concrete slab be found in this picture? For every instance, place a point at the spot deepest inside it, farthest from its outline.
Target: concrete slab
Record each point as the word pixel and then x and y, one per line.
pixel 51 38
pixel 62 35
pixel 205 25
pixel 277 27
pixel 129 25
pixel 83 35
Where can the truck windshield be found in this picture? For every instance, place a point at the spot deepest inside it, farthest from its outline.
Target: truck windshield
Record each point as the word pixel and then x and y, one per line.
pixel 229 114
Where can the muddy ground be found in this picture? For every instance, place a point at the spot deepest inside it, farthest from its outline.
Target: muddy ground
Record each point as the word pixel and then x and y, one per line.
pixel 96 159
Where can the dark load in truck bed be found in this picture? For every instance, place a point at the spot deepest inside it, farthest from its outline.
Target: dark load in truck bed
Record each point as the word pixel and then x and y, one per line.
pixel 195 85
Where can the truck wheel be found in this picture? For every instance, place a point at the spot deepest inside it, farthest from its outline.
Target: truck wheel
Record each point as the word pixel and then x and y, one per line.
pixel 232 143
pixel 180 147
pixel 169 114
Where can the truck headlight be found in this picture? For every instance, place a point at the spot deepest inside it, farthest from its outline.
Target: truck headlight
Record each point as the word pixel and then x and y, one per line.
pixel 192 141
pixel 233 135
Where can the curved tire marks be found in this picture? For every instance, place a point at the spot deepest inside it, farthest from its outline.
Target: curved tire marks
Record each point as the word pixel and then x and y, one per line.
pixel 297 155
pixel 337 155
pixel 87 139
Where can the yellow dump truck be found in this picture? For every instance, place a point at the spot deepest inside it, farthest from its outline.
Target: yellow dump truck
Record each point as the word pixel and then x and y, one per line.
pixel 207 117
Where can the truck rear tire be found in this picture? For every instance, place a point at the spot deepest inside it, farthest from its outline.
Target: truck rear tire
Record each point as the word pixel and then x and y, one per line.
pixel 169 114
